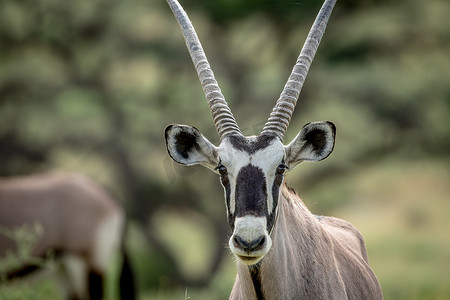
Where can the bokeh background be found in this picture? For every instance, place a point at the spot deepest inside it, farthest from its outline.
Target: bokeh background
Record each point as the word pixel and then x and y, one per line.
pixel 89 85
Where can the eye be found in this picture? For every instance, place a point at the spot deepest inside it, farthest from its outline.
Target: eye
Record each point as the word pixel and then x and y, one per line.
pixel 281 169
pixel 221 169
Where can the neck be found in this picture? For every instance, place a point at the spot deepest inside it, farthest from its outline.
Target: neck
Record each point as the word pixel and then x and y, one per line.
pixel 295 235
pixel 311 258
pixel 297 256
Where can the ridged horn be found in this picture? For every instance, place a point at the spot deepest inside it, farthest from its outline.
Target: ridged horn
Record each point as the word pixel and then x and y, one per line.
pixel 221 113
pixel 282 112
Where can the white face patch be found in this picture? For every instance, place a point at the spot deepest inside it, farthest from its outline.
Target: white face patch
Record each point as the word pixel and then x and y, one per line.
pixel 250 230
pixel 233 159
pixel 268 160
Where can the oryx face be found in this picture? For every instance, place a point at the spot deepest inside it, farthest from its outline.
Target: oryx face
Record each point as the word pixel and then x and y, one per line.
pixel 251 171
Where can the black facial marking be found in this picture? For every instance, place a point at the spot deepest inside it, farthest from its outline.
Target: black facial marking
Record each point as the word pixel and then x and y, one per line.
pixel 226 184
pixel 185 143
pixel 251 146
pixel 251 192
pixel 275 194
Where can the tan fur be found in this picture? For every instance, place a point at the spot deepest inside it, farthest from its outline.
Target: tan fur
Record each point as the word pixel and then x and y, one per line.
pixel 311 258
pixel 72 210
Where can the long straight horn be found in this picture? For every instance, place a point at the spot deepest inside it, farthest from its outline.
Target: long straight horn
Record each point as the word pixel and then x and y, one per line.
pixel 282 112
pixel 221 113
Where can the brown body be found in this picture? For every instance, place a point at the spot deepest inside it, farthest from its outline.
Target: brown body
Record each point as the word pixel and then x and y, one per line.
pixel 79 220
pixel 311 258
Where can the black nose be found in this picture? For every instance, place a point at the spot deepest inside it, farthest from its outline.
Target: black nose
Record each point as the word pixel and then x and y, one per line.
pixel 249 246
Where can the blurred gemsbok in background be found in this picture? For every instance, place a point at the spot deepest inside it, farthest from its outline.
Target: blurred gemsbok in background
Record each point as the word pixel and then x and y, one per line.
pixel 82 225
pixel 283 251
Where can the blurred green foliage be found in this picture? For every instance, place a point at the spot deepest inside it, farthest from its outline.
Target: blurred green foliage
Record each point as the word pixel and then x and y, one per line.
pixel 25 238
pixel 89 86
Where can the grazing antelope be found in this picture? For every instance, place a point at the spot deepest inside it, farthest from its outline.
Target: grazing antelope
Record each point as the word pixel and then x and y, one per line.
pixel 81 224
pixel 282 250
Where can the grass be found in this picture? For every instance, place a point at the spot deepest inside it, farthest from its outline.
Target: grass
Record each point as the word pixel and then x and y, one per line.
pixel 25 237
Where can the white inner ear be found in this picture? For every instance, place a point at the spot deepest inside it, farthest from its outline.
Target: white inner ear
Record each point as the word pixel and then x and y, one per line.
pixel 207 154
pixel 198 149
pixel 301 149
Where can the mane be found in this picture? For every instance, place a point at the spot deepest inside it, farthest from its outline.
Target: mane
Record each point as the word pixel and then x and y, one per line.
pixel 289 193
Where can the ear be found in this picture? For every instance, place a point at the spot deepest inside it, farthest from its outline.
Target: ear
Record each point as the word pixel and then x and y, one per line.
pixel 187 146
pixel 313 143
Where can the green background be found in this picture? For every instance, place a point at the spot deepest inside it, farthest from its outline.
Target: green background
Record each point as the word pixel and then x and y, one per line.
pixel 88 86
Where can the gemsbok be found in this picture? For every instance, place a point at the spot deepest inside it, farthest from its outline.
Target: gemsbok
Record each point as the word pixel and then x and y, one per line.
pixel 82 225
pixel 282 250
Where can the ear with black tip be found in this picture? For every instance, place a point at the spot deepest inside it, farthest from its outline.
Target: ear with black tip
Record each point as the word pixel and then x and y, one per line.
pixel 187 146
pixel 313 143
